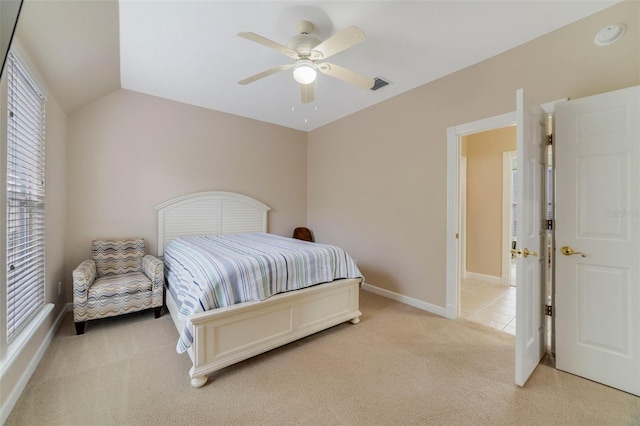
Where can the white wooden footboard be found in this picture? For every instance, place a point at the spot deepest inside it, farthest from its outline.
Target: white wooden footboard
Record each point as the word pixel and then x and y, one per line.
pixel 228 335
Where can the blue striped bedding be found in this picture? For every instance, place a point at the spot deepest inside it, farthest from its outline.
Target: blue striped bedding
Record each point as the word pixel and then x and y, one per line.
pixel 208 272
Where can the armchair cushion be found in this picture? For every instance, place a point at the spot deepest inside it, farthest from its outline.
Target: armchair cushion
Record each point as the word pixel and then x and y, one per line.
pixel 117 257
pixel 119 294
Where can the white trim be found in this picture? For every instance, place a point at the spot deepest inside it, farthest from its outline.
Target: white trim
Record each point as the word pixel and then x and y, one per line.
pixel 507 220
pixel 454 134
pixel 485 124
pixel 22 338
pixel 16 348
pixel 434 309
pixel 452 244
pixel 484 278
pixel 550 107
pixel 463 215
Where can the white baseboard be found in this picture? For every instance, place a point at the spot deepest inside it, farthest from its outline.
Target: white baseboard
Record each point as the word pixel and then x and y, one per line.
pixel 485 278
pixel 434 309
pixel 11 399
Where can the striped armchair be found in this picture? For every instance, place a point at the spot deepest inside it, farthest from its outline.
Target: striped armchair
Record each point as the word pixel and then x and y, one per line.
pixel 119 279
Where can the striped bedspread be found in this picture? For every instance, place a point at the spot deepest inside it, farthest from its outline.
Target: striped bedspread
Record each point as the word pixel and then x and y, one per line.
pixel 208 272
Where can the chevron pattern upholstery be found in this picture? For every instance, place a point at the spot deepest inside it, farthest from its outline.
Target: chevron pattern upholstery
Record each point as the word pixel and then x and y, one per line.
pixel 119 278
pixel 117 257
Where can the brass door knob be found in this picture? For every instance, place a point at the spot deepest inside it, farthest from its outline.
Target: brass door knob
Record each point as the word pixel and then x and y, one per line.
pixel 527 253
pixel 568 251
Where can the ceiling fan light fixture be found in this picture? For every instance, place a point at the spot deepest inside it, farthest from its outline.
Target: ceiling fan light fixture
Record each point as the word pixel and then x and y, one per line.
pixel 304 71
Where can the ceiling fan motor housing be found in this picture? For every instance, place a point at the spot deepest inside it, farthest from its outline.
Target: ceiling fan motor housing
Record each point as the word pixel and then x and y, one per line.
pixel 303 44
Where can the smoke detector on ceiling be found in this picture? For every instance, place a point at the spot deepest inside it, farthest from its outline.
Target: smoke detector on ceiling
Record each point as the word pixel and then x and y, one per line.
pixel 609 35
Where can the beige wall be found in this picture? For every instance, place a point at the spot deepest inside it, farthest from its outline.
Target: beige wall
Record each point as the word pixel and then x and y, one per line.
pixel 484 199
pixel 55 222
pixel 377 179
pixel 129 152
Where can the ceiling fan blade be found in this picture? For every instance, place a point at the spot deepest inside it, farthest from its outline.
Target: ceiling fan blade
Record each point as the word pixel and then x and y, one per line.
pixel 272 44
pixel 347 75
pixel 337 43
pixel 265 74
pixel 307 92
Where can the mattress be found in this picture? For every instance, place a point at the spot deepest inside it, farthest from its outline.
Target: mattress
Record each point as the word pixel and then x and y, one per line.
pixel 208 272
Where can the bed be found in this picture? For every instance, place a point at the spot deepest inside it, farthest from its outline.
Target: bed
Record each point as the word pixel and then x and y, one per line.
pixel 220 337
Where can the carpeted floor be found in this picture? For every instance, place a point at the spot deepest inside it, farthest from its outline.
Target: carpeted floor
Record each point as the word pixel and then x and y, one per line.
pixel 400 365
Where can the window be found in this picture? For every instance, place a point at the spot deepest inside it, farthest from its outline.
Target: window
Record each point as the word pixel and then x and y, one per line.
pixel 25 197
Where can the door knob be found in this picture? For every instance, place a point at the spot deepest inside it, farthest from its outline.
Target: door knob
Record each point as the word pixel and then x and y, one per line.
pixel 527 253
pixel 568 251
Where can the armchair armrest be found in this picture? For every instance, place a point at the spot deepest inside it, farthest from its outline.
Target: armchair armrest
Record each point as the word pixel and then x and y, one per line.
pixel 83 276
pixel 153 268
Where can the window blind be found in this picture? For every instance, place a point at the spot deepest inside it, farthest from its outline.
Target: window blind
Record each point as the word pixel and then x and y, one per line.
pixel 25 197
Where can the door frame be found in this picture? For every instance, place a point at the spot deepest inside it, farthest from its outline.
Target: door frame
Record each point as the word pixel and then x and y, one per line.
pixel 507 214
pixel 454 139
pixel 453 247
pixel 462 234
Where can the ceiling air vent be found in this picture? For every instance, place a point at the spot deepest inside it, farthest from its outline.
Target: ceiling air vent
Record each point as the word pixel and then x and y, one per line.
pixel 379 83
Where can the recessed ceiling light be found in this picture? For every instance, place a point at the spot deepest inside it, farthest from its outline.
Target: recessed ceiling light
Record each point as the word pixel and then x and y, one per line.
pixel 609 35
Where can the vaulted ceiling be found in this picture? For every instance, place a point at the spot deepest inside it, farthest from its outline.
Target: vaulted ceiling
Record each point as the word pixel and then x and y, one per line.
pixel 189 51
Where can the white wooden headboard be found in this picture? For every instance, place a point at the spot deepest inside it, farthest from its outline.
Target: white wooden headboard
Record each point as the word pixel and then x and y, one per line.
pixel 207 213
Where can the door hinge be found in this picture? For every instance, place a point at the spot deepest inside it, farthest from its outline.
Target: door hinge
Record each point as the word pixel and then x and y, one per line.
pixel 548 310
pixel 549 224
pixel 550 139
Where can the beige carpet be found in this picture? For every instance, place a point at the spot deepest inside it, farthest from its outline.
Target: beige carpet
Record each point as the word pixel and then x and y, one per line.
pixel 400 365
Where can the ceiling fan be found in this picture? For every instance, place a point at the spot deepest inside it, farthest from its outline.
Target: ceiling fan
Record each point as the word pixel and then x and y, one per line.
pixel 307 50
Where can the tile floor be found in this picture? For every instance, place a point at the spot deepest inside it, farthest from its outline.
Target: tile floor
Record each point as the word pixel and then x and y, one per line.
pixel 493 305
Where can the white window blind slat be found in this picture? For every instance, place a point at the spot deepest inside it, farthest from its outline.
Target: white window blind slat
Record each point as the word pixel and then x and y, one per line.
pixel 29 286
pixel 25 197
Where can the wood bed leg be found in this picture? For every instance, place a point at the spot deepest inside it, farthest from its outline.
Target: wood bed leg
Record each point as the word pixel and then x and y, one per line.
pixel 355 320
pixel 157 311
pixel 199 381
pixel 80 327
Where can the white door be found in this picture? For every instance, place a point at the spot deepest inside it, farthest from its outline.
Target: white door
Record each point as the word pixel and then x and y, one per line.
pixel 531 143
pixel 597 298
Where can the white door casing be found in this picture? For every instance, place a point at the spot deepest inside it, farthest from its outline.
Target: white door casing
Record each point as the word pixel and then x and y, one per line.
pixel 597 297
pixel 463 219
pixel 507 215
pixel 531 144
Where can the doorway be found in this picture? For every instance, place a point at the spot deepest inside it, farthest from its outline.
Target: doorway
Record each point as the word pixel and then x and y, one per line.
pixel 487 290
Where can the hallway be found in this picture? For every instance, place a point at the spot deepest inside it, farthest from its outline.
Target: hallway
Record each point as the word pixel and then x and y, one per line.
pixel 489 304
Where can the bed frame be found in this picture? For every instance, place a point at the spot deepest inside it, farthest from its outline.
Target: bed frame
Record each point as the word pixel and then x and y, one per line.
pixel 225 336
